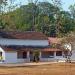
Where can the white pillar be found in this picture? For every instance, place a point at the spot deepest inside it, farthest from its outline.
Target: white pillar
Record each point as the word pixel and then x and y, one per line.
pixel 63 54
pixel 28 55
pixel 40 55
pixel 54 54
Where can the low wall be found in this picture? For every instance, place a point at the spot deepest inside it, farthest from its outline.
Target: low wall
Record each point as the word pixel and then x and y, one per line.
pixel 55 59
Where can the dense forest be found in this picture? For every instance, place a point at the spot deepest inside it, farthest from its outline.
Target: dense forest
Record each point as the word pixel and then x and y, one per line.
pixel 45 17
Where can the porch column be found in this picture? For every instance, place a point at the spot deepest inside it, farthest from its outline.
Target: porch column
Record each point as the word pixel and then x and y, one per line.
pixel 40 55
pixel 28 55
pixel 54 54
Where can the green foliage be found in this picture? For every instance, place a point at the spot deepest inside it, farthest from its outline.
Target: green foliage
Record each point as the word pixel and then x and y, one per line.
pixel 36 55
pixel 43 16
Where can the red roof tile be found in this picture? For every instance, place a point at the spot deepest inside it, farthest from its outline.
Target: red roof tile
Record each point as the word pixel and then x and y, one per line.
pixel 31 49
pixel 54 40
pixel 31 35
pixel 51 49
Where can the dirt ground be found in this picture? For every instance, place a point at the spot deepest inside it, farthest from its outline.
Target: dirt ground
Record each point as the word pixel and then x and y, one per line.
pixel 51 69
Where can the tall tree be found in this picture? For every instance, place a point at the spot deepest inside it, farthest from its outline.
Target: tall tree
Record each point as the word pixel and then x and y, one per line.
pixel 2 6
pixel 58 5
pixel 46 18
pixel 34 12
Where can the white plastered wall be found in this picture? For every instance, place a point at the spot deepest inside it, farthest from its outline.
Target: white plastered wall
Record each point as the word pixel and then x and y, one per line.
pixel 3 53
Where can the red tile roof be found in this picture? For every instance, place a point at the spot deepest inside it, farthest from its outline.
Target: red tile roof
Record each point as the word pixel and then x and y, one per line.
pixel 30 35
pixel 51 49
pixel 54 40
pixel 31 49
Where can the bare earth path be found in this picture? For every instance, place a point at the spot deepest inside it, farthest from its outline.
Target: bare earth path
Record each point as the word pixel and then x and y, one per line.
pixel 45 69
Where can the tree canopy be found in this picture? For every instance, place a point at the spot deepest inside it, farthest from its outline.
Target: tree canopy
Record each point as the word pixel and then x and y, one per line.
pixel 43 16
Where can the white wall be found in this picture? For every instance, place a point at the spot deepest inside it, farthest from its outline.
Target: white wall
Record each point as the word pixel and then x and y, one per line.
pixel 54 59
pixel 23 42
pixel 11 57
pixel 3 55
pixel 73 55
pixel 59 58
pixel 47 59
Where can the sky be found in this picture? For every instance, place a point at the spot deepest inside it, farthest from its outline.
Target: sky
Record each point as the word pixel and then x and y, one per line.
pixel 65 3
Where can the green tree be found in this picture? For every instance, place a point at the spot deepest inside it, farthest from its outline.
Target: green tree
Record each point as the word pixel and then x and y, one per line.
pixel 3 3
pixel 41 16
pixel 72 10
